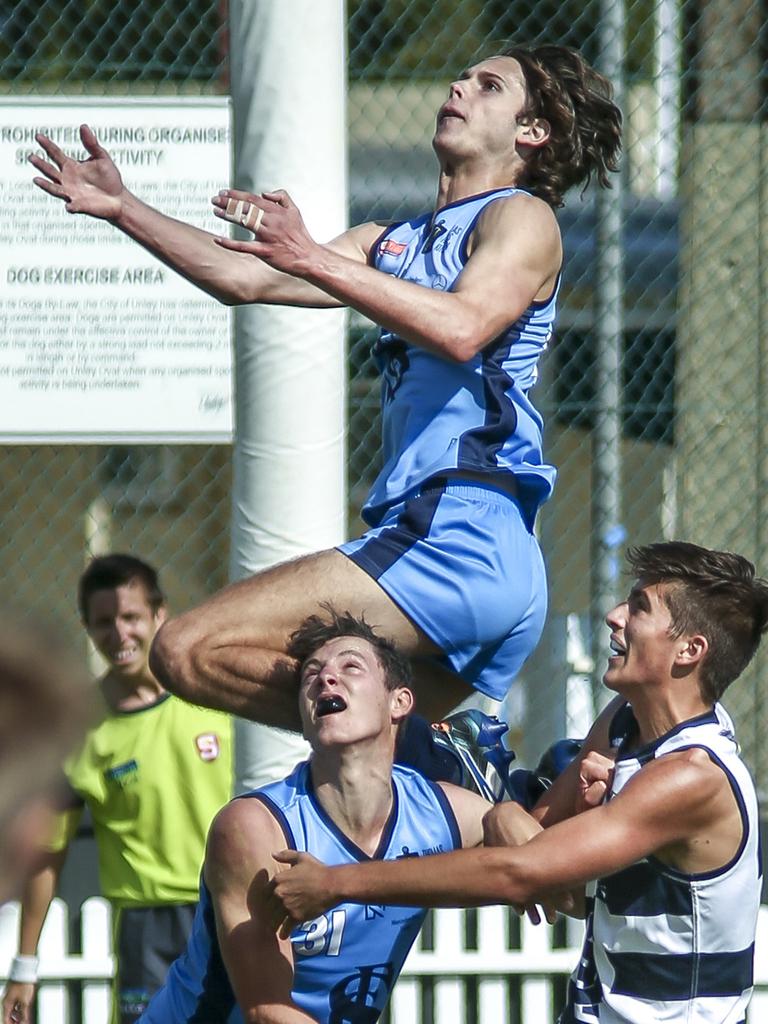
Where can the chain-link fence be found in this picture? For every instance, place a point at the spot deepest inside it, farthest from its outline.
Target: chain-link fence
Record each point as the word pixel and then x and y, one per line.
pixel 689 458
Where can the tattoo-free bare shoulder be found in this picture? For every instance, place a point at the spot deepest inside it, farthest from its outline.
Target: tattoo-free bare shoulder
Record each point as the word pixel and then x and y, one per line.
pixel 519 235
pixel 520 214
pixel 470 809
pixel 242 839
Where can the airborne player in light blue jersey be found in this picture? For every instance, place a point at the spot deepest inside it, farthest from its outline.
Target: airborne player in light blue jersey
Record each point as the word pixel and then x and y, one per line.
pixel 463 472
pixel 465 296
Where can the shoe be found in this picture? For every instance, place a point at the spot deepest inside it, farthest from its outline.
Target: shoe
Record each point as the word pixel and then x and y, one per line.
pixel 526 787
pixel 474 738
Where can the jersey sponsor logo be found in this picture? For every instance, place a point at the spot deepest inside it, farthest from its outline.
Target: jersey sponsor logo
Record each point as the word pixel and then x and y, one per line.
pixel 389 247
pixel 123 774
pixel 444 242
pixel 360 997
pixel 392 359
pixel 208 746
pixel 407 852
pixel 435 232
pixel 372 911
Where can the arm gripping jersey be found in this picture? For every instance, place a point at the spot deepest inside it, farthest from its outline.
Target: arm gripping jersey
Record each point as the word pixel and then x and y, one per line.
pixel 662 945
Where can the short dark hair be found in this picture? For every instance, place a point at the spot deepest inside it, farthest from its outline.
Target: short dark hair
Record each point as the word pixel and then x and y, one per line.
pixel 107 572
pixel 315 631
pixel 585 123
pixel 714 593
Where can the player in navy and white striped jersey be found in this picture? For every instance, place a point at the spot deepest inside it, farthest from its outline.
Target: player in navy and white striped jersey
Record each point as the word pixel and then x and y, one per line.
pixel 346 804
pixel 663 942
pixel 465 296
pixel 671 854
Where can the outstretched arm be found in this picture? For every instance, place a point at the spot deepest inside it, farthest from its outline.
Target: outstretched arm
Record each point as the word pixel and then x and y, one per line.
pixel 669 806
pixel 515 256
pixel 515 259
pixel 238 866
pixel 95 187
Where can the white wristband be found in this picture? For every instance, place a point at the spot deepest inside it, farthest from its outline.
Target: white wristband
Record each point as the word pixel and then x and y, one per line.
pixel 24 969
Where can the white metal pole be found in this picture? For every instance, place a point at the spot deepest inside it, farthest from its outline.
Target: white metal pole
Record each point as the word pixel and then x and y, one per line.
pixel 608 533
pixel 667 49
pixel 289 100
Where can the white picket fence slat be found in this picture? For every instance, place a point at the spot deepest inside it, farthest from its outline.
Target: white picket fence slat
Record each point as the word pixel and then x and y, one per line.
pixel 452 973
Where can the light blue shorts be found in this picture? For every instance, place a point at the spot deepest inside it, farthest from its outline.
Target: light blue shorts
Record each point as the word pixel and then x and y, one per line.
pixel 461 563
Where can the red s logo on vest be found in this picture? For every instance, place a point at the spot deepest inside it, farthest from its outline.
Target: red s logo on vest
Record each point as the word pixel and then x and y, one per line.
pixel 207 744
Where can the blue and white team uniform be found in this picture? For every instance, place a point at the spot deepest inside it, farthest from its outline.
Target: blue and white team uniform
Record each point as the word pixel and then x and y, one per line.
pixel 347 960
pixel 452 510
pixel 662 945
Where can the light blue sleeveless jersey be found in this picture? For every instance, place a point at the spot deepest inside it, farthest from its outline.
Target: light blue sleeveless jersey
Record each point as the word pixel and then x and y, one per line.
pixel 440 415
pixel 347 960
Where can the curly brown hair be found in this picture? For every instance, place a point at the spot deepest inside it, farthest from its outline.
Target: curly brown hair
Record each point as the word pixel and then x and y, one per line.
pixel 585 123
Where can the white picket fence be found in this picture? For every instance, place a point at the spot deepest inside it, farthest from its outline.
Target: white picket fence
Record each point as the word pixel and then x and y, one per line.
pixel 457 983
pixel 59 968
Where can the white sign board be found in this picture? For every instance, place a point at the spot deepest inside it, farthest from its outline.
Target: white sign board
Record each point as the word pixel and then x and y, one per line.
pixel 99 341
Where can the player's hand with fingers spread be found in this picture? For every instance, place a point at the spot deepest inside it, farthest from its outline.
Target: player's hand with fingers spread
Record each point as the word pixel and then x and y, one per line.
pixel 595 776
pixel 299 894
pixel 17 1002
pixel 91 186
pixel 281 237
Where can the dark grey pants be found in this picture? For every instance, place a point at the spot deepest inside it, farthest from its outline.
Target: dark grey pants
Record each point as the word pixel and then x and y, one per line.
pixel 148 940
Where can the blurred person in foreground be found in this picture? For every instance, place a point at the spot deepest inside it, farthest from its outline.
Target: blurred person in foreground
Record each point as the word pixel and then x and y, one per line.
pixel 45 708
pixel 152 773
pixel 465 295
pixel 347 804
pixel 671 858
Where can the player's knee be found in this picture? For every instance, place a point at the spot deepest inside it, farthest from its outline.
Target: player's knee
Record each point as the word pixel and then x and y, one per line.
pixel 171 659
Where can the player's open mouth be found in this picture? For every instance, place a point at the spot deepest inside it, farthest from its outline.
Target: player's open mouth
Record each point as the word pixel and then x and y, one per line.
pixel 330 705
pixel 449 111
pixel 617 649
